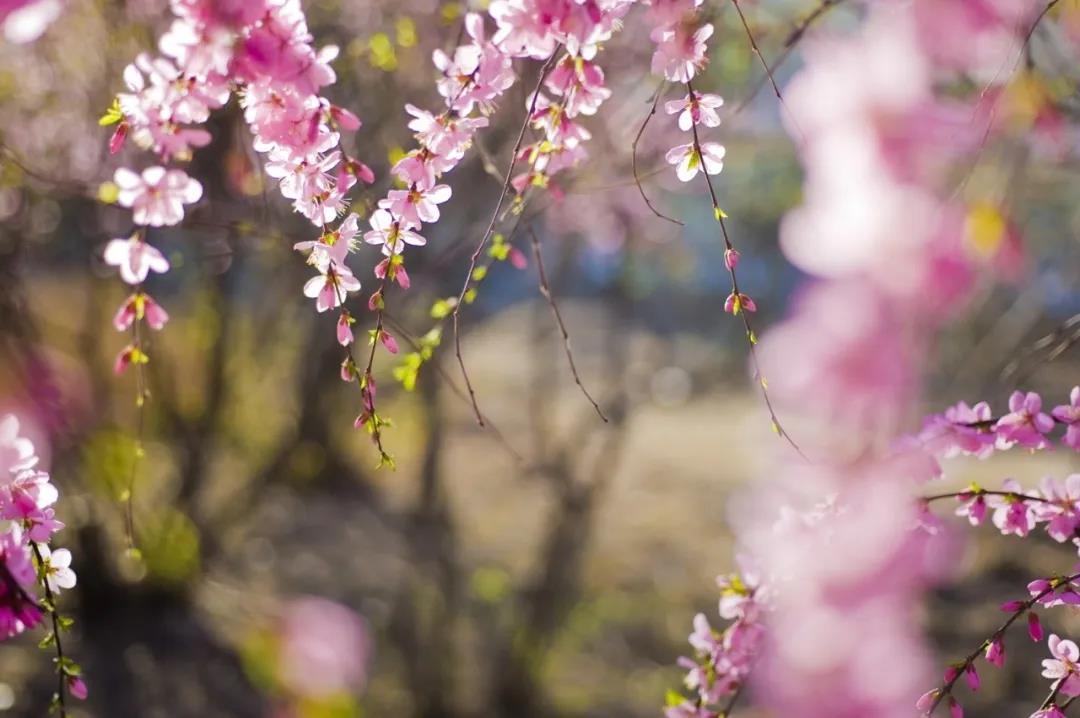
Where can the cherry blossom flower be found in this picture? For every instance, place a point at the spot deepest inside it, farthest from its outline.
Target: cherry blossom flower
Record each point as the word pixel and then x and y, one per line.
pixel 389 233
pixel 329 289
pixel 1012 514
pixel 16 452
pixel 157 196
pixel 696 109
pixel 415 206
pixel 1063 666
pixel 1025 423
pixel 58 571
pixel 680 50
pixel 137 307
pixel 135 258
pixel 689 162
pixel 333 247
pixel 1069 414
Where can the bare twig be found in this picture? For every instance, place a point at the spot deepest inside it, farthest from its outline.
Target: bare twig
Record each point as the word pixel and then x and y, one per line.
pixel 545 289
pixel 794 37
pixel 488 232
pixel 634 151
pixel 751 337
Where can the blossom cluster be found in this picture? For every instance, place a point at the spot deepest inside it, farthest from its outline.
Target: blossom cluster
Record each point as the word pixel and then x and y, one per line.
pixel 963 430
pixel 262 50
pixel 974 431
pixel 880 228
pixel 1061 668
pixel 722 659
pixel 679 56
pixel 27 564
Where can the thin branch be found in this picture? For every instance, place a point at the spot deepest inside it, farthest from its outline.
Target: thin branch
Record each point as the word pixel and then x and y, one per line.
pixel 634 153
pixel 794 37
pixel 50 608
pixel 507 180
pixel 545 289
pixel 751 337
pixel 458 391
pixel 1024 607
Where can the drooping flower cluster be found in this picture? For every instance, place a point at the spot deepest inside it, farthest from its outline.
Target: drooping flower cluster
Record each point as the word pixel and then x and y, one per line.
pixel 473 78
pixel 723 659
pixel 880 229
pixel 263 51
pixel 27 564
pixel 680 55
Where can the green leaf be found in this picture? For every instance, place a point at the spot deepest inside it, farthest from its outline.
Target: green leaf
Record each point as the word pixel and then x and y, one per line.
pixel 112 115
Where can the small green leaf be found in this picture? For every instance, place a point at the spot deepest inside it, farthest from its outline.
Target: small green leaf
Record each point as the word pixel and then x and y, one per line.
pixel 112 115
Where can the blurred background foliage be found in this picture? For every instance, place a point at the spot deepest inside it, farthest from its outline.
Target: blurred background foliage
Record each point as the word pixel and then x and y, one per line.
pixel 546 565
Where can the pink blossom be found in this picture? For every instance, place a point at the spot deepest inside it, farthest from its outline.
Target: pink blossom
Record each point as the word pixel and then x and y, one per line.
pixel 1025 423
pixel 1069 414
pixel 157 197
pixel 135 258
pixel 1063 666
pixel 689 162
pixel 696 109
pixel 389 234
pixel 16 452
pixel 330 289
pixel 973 506
pixel 325 648
pixel 332 247
pixel 1012 514
pixel 413 207
pixel 77 687
pixel 680 50
pixel 995 652
pixel 344 329
pixel 137 307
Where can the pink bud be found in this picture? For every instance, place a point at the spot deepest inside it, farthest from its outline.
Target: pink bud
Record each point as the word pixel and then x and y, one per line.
pixel 76 687
pixel 156 317
pixel 748 303
pixel 123 359
pixel 348 370
pixel 995 653
pixel 125 315
pixel 926 700
pixel 1035 629
pixel 389 342
pixel 731 259
pixel 972 677
pixel 346 120
pixel 402 277
pixel 375 302
pixel 1012 606
pixel 344 329
pixel 955 709
pixel 116 142
pixel 950 674
pixel 517 258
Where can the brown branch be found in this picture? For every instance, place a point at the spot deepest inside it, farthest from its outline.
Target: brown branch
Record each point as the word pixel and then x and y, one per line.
pixel 634 155
pixel 490 230
pixel 545 289
pixel 751 337
pixel 794 37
